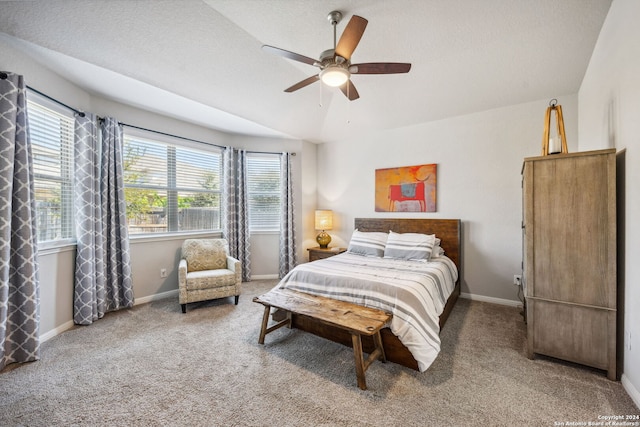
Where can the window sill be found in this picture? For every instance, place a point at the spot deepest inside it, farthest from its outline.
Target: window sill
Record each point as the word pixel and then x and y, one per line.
pixel 143 238
pixel 49 248
pixel 262 232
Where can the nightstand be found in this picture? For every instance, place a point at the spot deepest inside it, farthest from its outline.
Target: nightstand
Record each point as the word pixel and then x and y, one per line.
pixel 319 253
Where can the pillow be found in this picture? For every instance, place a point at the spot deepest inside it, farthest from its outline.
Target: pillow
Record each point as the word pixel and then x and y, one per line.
pixel 409 246
pixel 437 251
pixel 367 243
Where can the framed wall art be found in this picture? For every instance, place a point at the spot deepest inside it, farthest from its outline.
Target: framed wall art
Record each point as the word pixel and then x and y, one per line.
pixel 406 189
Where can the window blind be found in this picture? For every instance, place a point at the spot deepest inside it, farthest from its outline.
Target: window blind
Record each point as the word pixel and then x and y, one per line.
pixel 263 191
pixel 51 134
pixel 170 188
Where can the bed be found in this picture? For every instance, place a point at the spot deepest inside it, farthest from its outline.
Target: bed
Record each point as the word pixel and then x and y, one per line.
pixel 319 277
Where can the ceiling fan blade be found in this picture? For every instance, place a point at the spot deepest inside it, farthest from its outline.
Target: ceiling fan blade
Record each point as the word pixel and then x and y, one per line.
pixel 349 90
pixel 303 83
pixel 289 55
pixel 380 68
pixel 351 36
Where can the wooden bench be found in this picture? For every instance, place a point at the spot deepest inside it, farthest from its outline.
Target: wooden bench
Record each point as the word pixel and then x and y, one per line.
pixel 355 319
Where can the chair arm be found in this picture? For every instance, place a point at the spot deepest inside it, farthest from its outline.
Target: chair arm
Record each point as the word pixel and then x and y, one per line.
pixel 182 273
pixel 234 265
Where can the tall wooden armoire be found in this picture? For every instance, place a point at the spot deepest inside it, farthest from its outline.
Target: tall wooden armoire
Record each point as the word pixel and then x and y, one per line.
pixel 569 281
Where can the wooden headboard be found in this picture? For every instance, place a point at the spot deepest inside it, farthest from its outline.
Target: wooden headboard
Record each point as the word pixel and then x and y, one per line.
pixel 447 230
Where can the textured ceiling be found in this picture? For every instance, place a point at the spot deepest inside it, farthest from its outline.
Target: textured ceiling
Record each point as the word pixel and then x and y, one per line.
pixel 201 60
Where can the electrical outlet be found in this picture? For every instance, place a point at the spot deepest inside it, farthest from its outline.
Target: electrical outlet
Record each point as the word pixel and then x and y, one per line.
pixel 163 272
pixel 517 280
pixel 627 341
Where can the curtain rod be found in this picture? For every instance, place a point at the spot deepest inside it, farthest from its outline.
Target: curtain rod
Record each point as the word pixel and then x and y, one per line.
pixel 78 112
pixel 267 152
pixel 173 136
pixel 195 140
pixel 81 114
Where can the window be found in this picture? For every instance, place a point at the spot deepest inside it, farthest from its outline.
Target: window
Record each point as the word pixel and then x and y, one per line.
pixel 170 188
pixel 263 191
pixel 51 130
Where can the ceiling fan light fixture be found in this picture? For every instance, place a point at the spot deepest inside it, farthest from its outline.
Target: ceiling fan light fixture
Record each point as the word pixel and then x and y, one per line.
pixel 334 76
pixel 335 64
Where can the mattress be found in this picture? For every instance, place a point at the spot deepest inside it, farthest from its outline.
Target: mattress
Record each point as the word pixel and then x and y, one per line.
pixel 414 292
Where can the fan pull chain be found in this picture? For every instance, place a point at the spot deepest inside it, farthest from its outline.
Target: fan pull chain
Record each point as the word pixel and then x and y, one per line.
pixel 348 104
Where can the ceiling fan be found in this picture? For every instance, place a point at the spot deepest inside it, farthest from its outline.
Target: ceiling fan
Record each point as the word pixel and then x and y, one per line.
pixel 335 64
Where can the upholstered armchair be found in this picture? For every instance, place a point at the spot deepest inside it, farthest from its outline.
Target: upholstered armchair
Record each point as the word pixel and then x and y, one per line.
pixel 206 271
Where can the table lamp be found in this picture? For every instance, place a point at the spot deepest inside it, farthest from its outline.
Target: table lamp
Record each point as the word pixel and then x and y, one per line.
pixel 324 221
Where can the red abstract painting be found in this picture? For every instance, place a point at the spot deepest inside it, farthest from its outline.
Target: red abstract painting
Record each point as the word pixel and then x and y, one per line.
pixel 406 189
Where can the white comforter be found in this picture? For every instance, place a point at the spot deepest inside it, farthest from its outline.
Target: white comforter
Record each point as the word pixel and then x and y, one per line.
pixel 415 292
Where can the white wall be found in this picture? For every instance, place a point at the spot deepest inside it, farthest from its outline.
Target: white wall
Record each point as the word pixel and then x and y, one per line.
pixel 609 112
pixel 479 158
pixel 56 271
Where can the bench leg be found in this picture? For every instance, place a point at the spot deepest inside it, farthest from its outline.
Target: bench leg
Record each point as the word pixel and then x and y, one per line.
pixel 264 329
pixel 265 321
pixel 377 340
pixel 357 352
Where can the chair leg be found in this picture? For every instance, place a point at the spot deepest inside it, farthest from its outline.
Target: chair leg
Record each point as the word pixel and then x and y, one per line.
pixel 237 299
pixel 184 308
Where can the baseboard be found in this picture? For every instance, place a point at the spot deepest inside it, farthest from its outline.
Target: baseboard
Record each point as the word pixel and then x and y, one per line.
pixel 492 300
pixel 631 390
pixel 174 293
pixel 68 325
pixel 57 331
pixel 264 277
pixel 155 297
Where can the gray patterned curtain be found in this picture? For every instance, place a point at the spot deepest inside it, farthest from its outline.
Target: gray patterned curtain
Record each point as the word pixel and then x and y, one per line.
pixel 235 217
pixel 287 258
pixel 103 265
pixel 19 288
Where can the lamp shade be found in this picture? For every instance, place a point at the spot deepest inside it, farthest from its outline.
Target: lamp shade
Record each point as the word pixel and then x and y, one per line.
pixel 324 219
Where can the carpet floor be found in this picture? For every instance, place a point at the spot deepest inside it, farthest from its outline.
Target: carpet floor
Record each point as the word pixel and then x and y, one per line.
pixel 154 366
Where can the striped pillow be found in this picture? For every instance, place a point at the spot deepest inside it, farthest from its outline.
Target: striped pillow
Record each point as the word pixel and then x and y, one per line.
pixel 409 246
pixel 367 243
